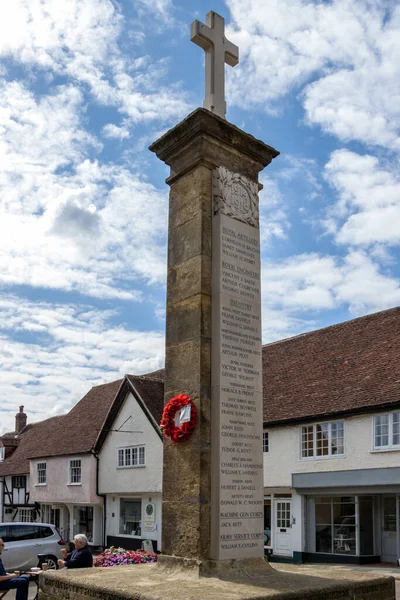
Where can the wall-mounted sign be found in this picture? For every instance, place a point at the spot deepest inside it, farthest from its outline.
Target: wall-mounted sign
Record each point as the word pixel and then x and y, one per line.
pixel 149 516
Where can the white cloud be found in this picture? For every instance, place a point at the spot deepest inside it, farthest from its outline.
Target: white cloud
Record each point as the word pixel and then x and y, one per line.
pixel 80 40
pixel 73 348
pixel 297 290
pixel 367 210
pixel 113 131
pixel 351 50
pixel 69 223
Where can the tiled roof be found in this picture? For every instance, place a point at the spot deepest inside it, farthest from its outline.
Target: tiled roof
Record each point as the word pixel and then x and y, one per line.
pixel 160 374
pixel 77 431
pixel 349 367
pixel 151 390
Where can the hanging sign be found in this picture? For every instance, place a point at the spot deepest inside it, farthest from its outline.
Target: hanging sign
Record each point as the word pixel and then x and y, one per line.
pixel 149 516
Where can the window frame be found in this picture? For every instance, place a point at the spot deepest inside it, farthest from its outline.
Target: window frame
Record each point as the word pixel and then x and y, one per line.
pixel 125 455
pixel 70 461
pixel 17 479
pixel 44 470
pixel 265 442
pixel 390 446
pixel 315 439
pixel 140 522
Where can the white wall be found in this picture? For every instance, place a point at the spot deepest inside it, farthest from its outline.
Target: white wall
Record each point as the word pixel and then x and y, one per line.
pixel 114 480
pixel 283 457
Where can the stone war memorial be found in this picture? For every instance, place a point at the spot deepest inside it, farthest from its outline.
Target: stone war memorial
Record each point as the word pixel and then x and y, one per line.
pixel 212 536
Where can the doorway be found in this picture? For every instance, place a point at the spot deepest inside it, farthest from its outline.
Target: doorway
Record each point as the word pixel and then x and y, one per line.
pixel 389 529
pixel 283 528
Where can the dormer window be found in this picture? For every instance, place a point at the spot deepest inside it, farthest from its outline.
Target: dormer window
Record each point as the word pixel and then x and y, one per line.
pixel 1 453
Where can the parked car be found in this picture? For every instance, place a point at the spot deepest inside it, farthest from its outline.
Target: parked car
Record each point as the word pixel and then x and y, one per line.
pixel 24 541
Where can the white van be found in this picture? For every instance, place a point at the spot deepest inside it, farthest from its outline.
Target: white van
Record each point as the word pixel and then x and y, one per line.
pixel 24 541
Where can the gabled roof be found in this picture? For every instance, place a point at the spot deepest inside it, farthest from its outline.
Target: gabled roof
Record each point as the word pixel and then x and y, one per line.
pixel 346 368
pixel 148 392
pixel 78 431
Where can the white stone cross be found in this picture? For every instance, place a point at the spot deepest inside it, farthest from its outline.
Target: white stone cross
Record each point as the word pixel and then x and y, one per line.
pixel 219 50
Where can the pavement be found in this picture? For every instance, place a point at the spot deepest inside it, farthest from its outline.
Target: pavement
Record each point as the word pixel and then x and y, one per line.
pixel 377 569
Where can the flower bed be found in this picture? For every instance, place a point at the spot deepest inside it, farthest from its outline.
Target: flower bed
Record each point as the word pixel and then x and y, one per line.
pixel 112 557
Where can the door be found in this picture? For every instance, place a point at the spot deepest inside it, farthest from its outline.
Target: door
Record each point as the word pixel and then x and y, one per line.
pixel 389 529
pixel 283 528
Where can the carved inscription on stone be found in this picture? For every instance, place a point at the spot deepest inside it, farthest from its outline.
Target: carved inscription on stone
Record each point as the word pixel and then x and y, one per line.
pixel 235 196
pixel 238 501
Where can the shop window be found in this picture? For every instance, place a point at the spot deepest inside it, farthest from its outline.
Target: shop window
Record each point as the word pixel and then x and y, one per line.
pixel 335 524
pixel 387 431
pixel 322 440
pixel 132 456
pixel 75 471
pixel 130 516
pixel 41 473
pixel 265 441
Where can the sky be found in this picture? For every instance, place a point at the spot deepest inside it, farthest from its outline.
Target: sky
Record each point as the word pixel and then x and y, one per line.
pixel 87 85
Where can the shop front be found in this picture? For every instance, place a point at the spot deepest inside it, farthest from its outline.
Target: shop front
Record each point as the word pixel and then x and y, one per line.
pixel 132 520
pixel 351 516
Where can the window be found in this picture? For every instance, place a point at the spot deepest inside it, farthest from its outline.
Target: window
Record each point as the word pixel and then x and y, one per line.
pixel 336 525
pixel 25 515
pixel 4 533
pixel 43 532
pixel 1 453
pixel 134 456
pixel 75 471
pixel 265 441
pixel 19 481
pixel 83 521
pixel 130 516
pixel 41 473
pixel 20 533
pixel 322 440
pixel 387 431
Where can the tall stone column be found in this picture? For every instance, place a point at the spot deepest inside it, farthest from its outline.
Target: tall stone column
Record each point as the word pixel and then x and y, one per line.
pixel 212 484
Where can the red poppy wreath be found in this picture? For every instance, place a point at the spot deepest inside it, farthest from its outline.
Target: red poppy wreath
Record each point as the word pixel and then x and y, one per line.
pixel 167 424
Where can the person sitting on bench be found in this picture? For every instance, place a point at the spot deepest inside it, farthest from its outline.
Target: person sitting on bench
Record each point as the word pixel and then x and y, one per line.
pixel 12 581
pixel 80 558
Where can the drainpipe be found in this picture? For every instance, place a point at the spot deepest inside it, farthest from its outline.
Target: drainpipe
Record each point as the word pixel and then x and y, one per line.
pixel 2 499
pixel 104 496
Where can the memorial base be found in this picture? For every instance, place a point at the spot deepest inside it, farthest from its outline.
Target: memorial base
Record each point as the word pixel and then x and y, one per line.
pixel 173 582
pixel 235 569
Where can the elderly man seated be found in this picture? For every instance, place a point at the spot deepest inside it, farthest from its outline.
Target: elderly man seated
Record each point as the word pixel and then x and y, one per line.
pixel 80 558
pixel 12 581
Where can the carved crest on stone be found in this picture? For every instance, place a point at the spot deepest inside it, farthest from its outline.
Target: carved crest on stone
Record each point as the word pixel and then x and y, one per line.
pixel 235 196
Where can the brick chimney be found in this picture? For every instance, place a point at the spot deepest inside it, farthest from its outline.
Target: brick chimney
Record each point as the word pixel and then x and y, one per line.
pixel 20 420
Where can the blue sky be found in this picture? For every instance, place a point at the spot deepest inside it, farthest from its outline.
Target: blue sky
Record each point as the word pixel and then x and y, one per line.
pixel 87 85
